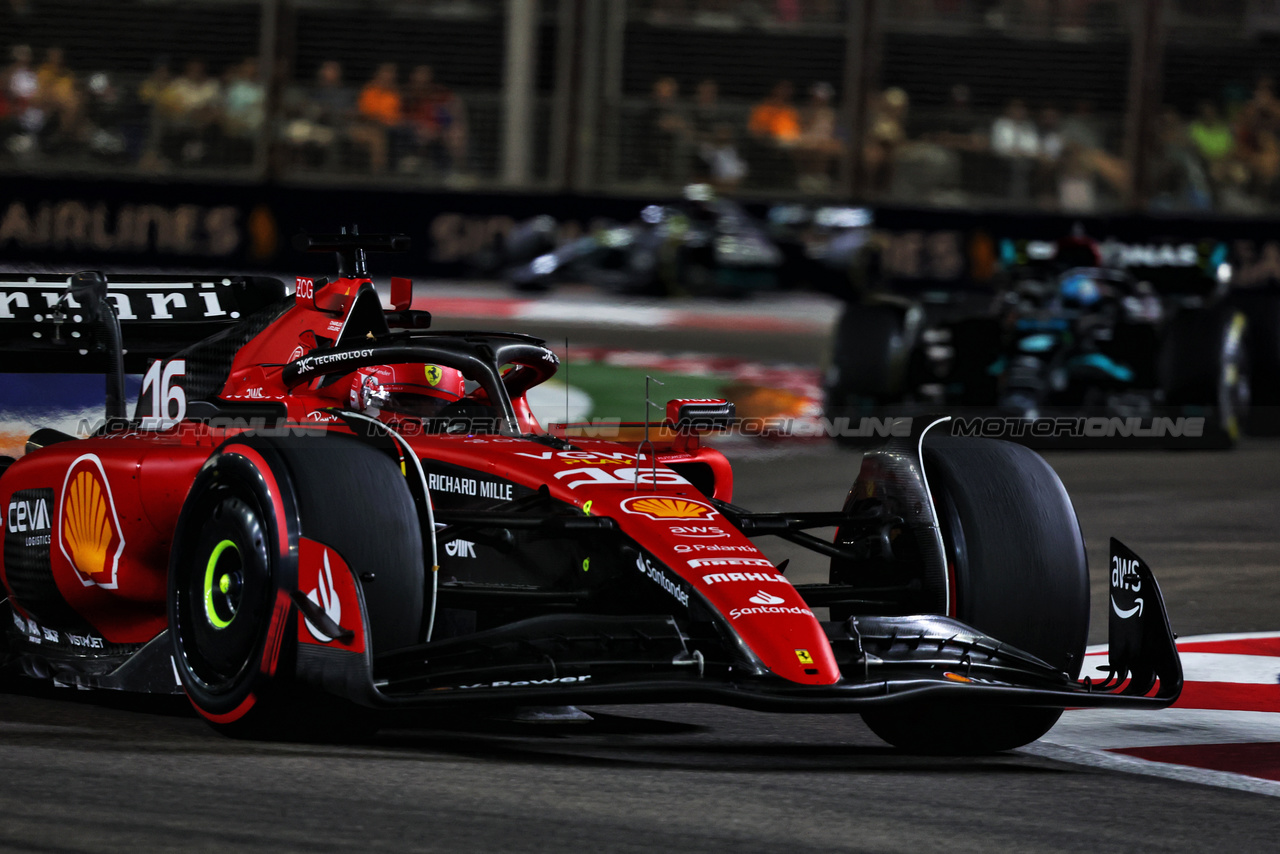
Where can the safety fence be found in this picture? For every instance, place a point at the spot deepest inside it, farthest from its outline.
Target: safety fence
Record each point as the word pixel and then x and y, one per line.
pixel 1072 106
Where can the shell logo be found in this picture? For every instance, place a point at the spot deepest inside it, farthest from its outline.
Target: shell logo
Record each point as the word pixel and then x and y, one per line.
pixel 668 508
pixel 89 531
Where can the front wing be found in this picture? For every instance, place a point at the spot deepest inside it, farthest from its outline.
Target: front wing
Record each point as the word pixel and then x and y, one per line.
pixel 585 659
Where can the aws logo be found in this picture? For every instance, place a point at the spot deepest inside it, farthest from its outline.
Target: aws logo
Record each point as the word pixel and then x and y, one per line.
pixel 89 532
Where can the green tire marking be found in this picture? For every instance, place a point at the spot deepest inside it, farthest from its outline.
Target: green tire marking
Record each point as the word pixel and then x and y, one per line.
pixel 224 584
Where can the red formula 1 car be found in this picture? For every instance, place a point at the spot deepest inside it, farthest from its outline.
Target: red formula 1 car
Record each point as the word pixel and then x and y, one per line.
pixel 321 504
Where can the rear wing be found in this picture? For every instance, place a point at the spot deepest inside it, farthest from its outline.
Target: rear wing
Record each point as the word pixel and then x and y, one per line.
pixel 159 315
pixel 1172 268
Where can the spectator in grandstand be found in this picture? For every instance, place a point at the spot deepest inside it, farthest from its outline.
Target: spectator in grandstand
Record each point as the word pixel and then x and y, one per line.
pixel 108 132
pixel 716 159
pixel 187 111
pixel 150 93
pixel 958 126
pixel 707 114
pixel 243 101
pixel 719 163
pixel 1080 126
pixel 819 146
pixel 773 129
pixel 932 166
pixel 775 119
pixel 1049 129
pixel 886 134
pixel 59 97
pixel 24 116
pixel 1214 142
pixel 1256 132
pixel 54 82
pixel 242 112
pixel 1013 133
pixel 1179 180
pixel 381 114
pixel 1049 157
pixel 1015 138
pixel 664 132
pixel 320 118
pixel 150 89
pixel 438 121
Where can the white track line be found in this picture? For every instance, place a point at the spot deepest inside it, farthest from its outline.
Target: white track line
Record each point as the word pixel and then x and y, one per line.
pixel 1105 729
pixel 1082 736
pixel 1133 765
pixel 1218 667
pixel 1229 636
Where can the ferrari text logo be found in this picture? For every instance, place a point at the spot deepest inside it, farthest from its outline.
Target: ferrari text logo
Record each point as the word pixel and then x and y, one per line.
pixel 89 527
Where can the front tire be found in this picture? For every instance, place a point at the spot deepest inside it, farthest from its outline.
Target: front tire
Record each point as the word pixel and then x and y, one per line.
pixel 1019 573
pixel 230 566
pixel 1204 363
pixel 234 571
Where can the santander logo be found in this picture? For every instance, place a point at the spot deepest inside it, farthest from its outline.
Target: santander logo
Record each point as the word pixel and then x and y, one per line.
pixel 325 595
pixel 763 598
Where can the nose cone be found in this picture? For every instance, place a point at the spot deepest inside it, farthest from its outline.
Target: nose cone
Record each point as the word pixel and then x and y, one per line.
pixel 771 618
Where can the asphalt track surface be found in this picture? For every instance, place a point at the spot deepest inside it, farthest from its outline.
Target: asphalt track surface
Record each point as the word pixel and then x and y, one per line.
pixel 83 772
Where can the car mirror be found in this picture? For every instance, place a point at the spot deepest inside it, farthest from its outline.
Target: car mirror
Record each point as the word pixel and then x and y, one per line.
pixel 701 416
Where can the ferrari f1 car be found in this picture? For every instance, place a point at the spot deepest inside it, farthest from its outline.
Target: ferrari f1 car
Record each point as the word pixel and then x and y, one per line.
pixel 1066 334
pixel 322 505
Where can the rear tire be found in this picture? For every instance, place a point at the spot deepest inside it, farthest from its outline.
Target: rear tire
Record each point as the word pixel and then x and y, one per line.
pixel 1020 574
pixel 869 363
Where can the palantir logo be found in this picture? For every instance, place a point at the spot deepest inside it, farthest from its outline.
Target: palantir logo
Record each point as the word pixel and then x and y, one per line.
pixel 763 598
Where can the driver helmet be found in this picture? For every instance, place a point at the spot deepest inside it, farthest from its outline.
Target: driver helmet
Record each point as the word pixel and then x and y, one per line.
pixel 410 390
pixel 1079 290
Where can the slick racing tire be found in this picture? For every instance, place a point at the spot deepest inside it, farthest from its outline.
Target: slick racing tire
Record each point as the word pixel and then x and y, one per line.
pixel 869 361
pixel 234 568
pixel 1018 573
pixel 1204 364
pixel 1262 308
